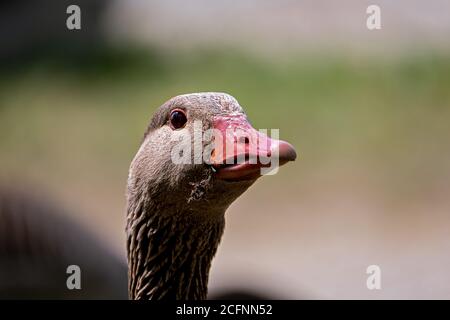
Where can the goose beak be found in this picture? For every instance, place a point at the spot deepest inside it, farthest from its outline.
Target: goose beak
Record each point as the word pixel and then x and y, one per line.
pixel 243 153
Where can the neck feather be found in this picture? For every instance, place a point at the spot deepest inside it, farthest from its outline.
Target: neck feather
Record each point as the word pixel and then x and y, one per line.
pixel 170 257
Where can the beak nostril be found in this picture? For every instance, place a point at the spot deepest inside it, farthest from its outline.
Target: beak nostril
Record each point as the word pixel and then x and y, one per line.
pixel 244 140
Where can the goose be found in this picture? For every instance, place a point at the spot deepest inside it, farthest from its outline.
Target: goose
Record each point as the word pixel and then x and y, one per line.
pixel 176 211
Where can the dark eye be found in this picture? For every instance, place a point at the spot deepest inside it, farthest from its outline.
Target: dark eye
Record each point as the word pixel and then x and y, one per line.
pixel 177 119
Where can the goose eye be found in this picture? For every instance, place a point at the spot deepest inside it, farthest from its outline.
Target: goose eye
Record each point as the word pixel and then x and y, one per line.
pixel 177 119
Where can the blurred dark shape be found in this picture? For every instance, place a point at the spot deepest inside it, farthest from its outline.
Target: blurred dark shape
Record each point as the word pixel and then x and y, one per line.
pixel 38 243
pixel 35 33
pixel 30 27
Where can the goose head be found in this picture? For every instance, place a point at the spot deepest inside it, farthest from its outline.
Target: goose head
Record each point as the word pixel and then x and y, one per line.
pixel 199 154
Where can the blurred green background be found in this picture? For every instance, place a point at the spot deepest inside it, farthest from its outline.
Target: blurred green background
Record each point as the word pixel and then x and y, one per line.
pixel 370 186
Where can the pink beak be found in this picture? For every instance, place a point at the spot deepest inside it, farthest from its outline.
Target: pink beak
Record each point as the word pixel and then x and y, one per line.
pixel 241 151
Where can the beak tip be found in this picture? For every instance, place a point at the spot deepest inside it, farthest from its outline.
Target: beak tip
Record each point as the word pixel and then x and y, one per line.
pixel 286 152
